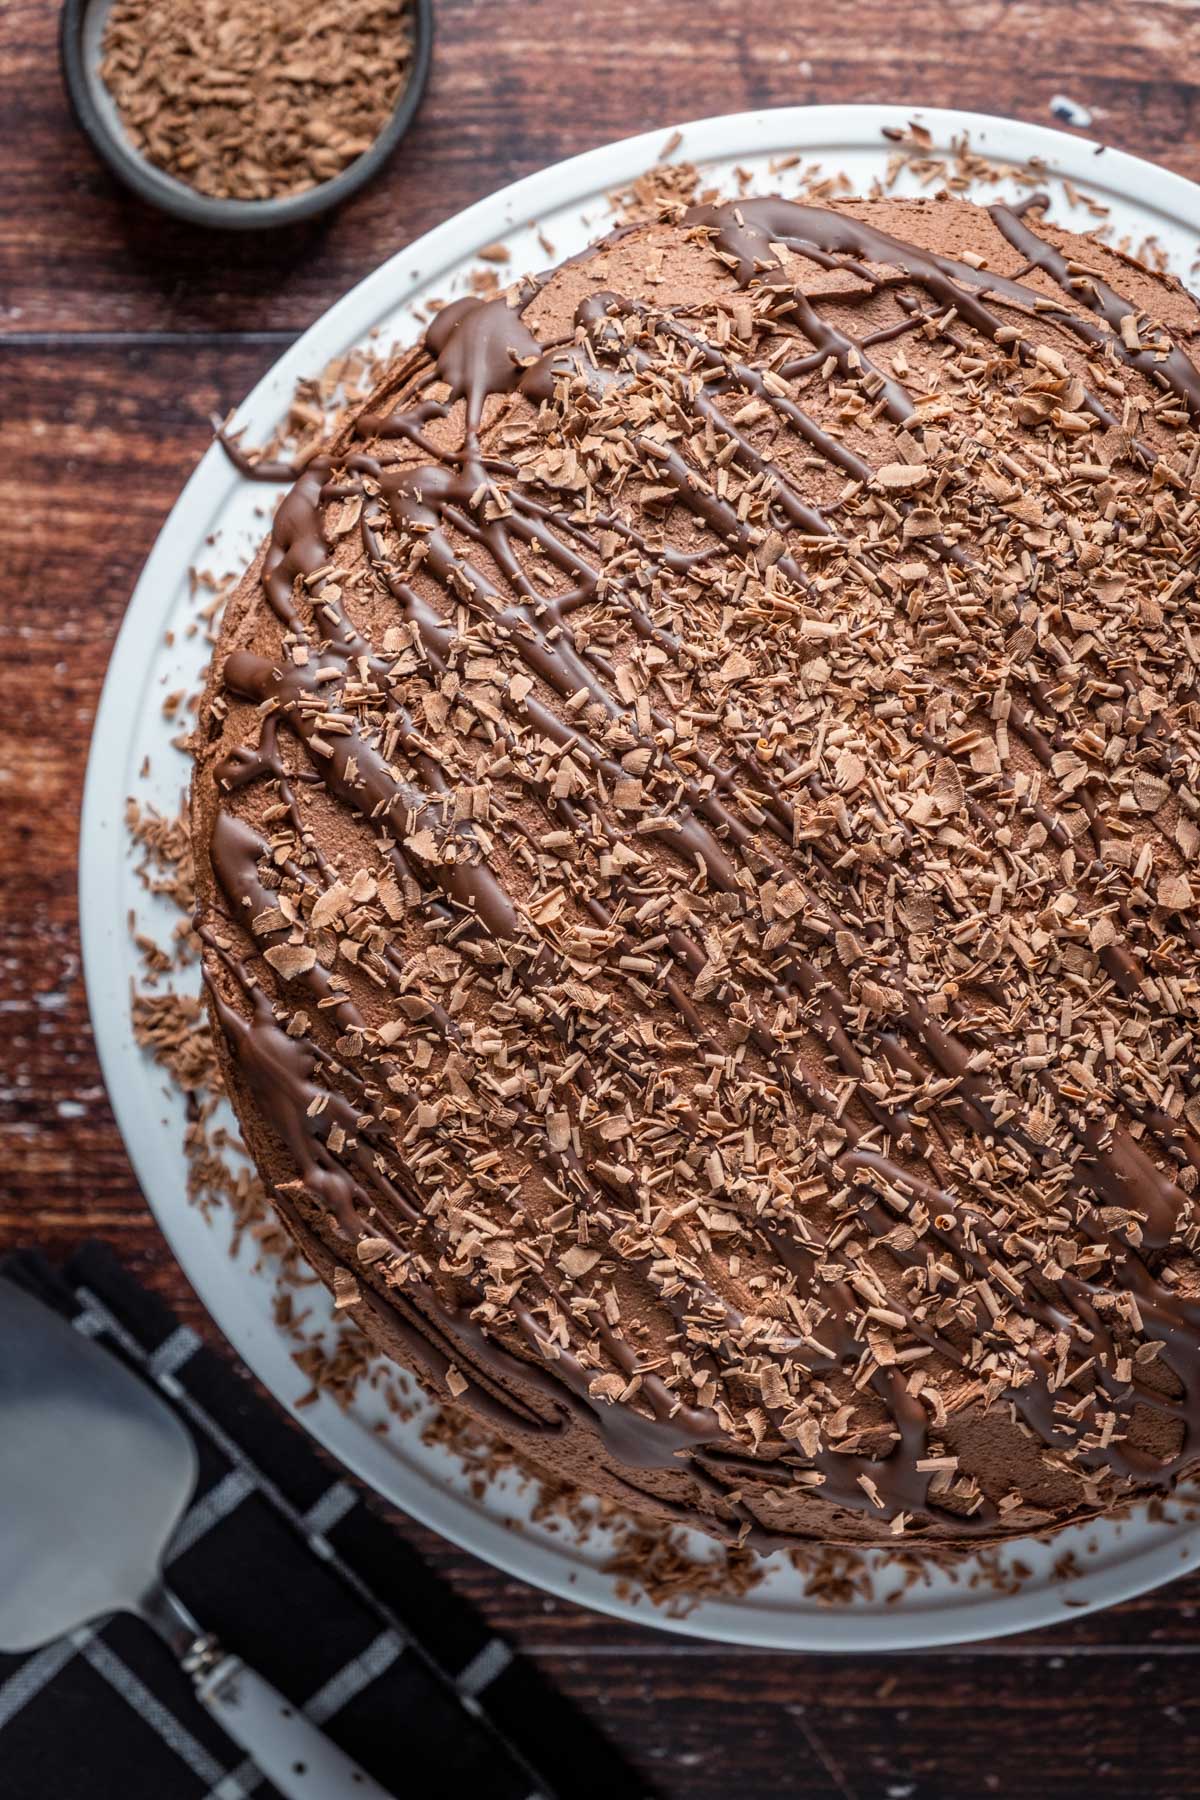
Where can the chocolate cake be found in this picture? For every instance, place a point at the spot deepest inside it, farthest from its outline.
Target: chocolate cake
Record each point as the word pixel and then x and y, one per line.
pixel 696 825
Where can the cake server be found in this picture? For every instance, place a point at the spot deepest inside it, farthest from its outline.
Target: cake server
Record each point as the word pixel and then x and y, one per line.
pixel 95 1473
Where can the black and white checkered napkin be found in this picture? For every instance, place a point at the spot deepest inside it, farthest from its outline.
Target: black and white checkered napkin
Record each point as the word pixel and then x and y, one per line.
pixel 295 1573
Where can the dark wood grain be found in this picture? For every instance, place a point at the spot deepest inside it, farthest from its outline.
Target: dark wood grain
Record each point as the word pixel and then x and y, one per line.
pixel 519 83
pixel 119 333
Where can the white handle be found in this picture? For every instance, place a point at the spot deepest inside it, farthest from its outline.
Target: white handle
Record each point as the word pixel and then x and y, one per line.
pixel 301 1762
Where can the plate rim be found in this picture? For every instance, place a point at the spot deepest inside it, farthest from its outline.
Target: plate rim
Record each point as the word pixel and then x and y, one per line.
pixel 821 130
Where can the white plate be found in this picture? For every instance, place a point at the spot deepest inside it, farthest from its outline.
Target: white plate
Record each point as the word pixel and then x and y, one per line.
pixel 568 202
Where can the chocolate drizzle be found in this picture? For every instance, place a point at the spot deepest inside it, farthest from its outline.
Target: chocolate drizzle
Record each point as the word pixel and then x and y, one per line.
pixel 937 1196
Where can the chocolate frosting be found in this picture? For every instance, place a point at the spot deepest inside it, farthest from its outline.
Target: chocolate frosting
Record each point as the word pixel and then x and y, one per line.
pixel 694 851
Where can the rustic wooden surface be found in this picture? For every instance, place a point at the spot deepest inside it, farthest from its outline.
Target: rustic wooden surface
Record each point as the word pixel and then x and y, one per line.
pixel 119 334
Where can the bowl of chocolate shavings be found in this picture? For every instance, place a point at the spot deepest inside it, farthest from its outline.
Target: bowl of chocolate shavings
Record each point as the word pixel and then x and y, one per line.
pixel 244 114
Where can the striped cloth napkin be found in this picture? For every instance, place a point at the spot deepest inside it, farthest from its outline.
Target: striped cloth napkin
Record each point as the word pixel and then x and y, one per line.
pixel 291 1568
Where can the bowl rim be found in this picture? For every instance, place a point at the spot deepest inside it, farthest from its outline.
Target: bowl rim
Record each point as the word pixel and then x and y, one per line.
pixel 170 195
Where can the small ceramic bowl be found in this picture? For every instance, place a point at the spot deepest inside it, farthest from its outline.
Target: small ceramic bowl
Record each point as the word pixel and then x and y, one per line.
pixel 81 29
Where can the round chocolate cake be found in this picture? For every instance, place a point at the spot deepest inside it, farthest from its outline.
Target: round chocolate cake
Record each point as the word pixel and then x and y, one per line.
pixel 696 821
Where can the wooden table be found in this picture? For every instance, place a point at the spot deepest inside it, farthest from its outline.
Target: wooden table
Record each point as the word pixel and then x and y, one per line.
pixel 119 334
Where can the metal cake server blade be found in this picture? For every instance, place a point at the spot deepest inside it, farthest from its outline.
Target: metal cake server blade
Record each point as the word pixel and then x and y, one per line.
pixel 95 1473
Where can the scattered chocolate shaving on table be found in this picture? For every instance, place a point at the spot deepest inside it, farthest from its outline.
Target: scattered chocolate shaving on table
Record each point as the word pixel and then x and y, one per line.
pixel 253 99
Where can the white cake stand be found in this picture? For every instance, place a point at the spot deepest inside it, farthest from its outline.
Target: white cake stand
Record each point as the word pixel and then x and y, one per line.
pixel 568 203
